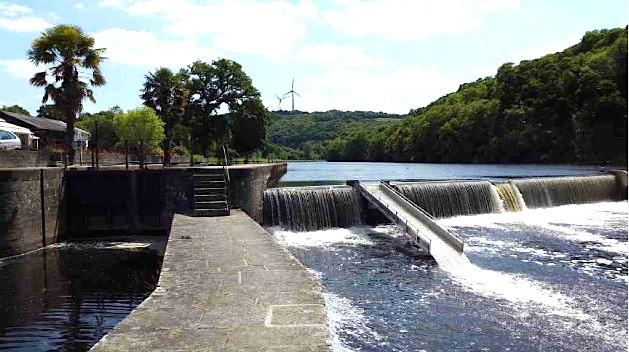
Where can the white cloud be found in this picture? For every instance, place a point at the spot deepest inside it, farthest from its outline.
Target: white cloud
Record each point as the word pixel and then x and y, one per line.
pixel 548 48
pixel 20 68
pixel 398 92
pixel 269 29
pixel 143 48
pixel 24 24
pixel 10 10
pixel 526 54
pixel 79 6
pixel 412 19
pixel 332 55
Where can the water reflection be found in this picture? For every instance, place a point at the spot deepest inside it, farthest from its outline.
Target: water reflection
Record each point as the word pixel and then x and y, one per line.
pixel 68 298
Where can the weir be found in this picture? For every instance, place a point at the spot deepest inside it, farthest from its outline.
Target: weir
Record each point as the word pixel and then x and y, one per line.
pixel 308 209
pixel 448 199
pixel 415 206
pixel 511 197
pixel 419 226
pixel 550 192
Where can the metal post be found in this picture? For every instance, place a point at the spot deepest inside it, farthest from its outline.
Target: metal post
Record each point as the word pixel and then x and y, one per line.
pixel 126 155
pixel 96 137
pixel 141 154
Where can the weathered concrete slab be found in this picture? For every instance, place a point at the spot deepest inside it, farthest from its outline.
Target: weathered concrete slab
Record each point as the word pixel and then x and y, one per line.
pixel 225 285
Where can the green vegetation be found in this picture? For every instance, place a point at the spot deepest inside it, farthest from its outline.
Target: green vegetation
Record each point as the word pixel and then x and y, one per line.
pixel 107 136
pixel 140 129
pixel 222 83
pixel 564 107
pixel 75 67
pixel 16 109
pixel 305 135
pixel 166 94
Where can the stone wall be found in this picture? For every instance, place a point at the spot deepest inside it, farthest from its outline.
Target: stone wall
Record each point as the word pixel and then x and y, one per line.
pixel 111 202
pixel 248 183
pixel 23 158
pixel 25 195
pixel 114 202
pixel 621 181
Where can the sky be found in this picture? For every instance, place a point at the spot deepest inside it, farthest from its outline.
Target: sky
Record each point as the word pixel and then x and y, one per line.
pixel 379 55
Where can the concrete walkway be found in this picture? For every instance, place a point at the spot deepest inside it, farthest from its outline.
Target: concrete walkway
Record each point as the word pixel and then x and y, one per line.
pixel 225 285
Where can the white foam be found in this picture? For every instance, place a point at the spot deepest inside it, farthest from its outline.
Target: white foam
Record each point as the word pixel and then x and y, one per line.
pixel 344 317
pixel 574 215
pixel 323 238
pixel 515 289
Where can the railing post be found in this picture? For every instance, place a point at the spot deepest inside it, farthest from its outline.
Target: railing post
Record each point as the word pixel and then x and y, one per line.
pixel 141 154
pixel 96 144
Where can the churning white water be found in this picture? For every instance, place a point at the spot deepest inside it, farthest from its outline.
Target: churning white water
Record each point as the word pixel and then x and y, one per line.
pixel 541 279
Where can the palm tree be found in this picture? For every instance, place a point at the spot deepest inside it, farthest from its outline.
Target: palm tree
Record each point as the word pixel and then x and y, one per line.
pixel 75 68
pixel 165 93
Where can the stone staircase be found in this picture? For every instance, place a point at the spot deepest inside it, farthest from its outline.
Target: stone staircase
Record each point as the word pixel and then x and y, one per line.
pixel 210 193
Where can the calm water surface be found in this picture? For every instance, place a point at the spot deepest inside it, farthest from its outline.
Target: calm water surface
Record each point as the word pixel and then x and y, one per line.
pixel 318 172
pixel 66 299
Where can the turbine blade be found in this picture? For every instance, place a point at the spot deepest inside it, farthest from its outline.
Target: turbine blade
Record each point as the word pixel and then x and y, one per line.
pixel 297 94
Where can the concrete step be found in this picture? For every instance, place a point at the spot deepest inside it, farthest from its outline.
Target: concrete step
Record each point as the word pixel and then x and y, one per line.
pixel 211 212
pixel 208 177
pixel 220 204
pixel 209 184
pixel 209 190
pixel 214 171
pixel 210 197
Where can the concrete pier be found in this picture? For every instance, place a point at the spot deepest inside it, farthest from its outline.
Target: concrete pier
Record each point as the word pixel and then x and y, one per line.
pixel 225 285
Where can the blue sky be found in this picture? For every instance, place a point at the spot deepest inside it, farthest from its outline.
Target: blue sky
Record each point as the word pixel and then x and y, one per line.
pixel 379 55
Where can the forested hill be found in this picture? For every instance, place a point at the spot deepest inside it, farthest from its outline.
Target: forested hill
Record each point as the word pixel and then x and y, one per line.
pixel 303 135
pixel 564 107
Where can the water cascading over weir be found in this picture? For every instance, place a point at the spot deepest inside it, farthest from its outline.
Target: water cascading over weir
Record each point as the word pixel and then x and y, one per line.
pixel 415 206
pixel 550 192
pixel 309 209
pixel 448 199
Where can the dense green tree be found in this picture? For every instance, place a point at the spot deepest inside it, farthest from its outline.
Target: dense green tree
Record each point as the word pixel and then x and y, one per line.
pixel 107 136
pixel 16 109
pixel 49 111
pixel 166 94
pixel 563 107
pixel 220 83
pixel 248 126
pixel 140 129
pixel 75 67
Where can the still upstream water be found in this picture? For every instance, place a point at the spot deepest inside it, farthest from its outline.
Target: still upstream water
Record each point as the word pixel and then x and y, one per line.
pixel 550 279
pixel 67 298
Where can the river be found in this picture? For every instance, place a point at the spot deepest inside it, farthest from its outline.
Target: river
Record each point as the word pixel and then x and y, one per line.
pixel 551 279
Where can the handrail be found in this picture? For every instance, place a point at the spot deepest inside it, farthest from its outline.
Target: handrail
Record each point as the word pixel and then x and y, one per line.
pixel 397 191
pixel 226 175
pixel 225 169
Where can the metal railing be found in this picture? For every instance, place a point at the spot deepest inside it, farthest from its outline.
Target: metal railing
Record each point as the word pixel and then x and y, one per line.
pixel 226 175
pixel 419 234
pixel 453 240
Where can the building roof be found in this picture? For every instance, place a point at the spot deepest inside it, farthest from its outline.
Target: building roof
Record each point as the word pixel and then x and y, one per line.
pixel 38 123
pixel 41 123
pixel 14 128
